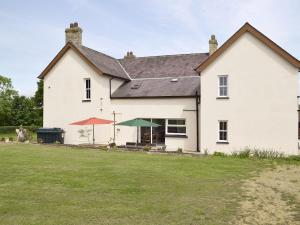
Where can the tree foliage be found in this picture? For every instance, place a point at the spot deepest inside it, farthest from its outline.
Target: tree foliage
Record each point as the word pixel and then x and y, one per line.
pixel 7 94
pixel 15 109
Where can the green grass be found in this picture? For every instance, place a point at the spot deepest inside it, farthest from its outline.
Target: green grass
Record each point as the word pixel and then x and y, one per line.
pixel 59 185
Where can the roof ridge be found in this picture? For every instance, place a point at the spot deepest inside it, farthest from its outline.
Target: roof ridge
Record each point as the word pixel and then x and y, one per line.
pixel 162 78
pixel 157 56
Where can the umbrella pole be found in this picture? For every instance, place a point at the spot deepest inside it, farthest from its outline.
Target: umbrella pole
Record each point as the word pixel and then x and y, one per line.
pixel 93 134
pixel 137 135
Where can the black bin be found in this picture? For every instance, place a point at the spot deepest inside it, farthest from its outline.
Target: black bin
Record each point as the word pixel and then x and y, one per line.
pixel 50 135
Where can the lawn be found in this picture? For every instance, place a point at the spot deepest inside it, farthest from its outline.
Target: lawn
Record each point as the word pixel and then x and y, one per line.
pixel 60 185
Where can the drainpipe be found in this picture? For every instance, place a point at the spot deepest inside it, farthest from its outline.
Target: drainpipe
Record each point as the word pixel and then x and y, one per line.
pixel 197 98
pixel 110 87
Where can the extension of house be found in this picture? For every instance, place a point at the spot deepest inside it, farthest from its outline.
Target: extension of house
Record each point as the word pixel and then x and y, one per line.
pixel 243 94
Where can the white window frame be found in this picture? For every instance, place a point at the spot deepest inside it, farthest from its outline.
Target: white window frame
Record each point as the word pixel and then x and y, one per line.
pixel 175 125
pixel 225 131
pixel 222 86
pixel 86 89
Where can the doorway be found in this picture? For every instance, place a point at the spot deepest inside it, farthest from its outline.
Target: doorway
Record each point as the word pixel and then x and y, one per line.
pixel 154 135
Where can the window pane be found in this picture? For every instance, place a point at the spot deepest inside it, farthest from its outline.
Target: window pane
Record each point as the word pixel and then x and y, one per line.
pixel 177 130
pixel 225 81
pixel 221 81
pixel 225 91
pixel 176 122
pixel 88 94
pixel 223 136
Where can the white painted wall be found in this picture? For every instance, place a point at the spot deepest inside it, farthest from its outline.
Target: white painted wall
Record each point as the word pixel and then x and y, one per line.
pixel 262 109
pixel 161 109
pixel 64 92
pixel 63 95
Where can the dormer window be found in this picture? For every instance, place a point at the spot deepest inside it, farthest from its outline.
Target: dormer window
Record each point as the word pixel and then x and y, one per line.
pixel 223 86
pixel 87 88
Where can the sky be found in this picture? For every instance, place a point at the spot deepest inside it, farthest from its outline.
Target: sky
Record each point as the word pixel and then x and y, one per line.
pixel 32 32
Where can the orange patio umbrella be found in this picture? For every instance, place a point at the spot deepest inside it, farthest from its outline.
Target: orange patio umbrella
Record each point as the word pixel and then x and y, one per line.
pixel 92 121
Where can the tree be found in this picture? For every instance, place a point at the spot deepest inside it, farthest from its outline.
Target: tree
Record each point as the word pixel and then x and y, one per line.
pixel 24 111
pixel 39 102
pixel 7 93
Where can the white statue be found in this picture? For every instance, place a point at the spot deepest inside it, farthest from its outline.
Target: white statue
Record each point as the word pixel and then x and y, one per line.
pixel 21 134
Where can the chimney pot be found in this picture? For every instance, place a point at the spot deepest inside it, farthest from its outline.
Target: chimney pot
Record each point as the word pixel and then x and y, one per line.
pixel 129 55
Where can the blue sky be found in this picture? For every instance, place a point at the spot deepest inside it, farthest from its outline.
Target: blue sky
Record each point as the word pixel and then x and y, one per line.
pixel 32 32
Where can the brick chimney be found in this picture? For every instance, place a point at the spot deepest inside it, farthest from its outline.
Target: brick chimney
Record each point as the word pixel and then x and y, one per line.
pixel 74 34
pixel 213 44
pixel 129 55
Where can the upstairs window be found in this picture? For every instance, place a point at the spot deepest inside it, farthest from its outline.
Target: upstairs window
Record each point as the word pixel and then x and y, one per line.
pixel 87 88
pixel 223 131
pixel 175 126
pixel 223 86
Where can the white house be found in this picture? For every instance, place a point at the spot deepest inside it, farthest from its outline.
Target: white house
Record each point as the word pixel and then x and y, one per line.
pixel 243 94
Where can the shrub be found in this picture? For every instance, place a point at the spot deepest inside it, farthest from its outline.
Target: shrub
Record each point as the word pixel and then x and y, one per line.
pixel 244 154
pixel 267 154
pixel 147 148
pixel 219 154
pixel 179 150
pixel 2 139
pixel 28 135
pixel 112 145
pixel 11 139
pixel 294 158
pixel 12 129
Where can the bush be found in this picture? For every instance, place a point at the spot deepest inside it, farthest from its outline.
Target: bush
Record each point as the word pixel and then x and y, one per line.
pixel 179 150
pixel 11 139
pixel 243 154
pixel 12 129
pixel 294 158
pixel 267 154
pixel 219 154
pixel 2 139
pixel 147 148
pixel 112 145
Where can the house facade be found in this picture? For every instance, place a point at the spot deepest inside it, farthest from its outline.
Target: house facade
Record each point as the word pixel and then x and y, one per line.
pixel 243 94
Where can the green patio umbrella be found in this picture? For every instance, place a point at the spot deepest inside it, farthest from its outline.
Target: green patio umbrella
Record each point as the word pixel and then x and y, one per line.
pixel 138 123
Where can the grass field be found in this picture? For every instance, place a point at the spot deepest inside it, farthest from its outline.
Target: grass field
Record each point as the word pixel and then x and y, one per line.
pixel 59 185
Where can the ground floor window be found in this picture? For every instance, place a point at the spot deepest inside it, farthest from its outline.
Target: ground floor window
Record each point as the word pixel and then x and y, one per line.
pixel 156 135
pixel 175 126
pixel 153 135
pixel 223 130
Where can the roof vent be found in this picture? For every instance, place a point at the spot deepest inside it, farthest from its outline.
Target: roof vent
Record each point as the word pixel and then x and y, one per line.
pixel 174 80
pixel 136 86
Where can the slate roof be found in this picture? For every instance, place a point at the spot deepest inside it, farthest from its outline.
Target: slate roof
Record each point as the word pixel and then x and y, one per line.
pixel 163 66
pixel 107 64
pixel 159 87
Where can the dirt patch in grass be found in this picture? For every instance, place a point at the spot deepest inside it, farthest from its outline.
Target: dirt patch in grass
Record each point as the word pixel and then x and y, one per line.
pixel 271 198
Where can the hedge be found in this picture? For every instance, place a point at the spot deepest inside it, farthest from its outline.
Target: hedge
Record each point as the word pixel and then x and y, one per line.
pixel 12 129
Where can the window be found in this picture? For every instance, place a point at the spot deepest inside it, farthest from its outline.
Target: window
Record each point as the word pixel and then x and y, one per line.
pixel 175 126
pixel 223 130
pixel 223 86
pixel 87 88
